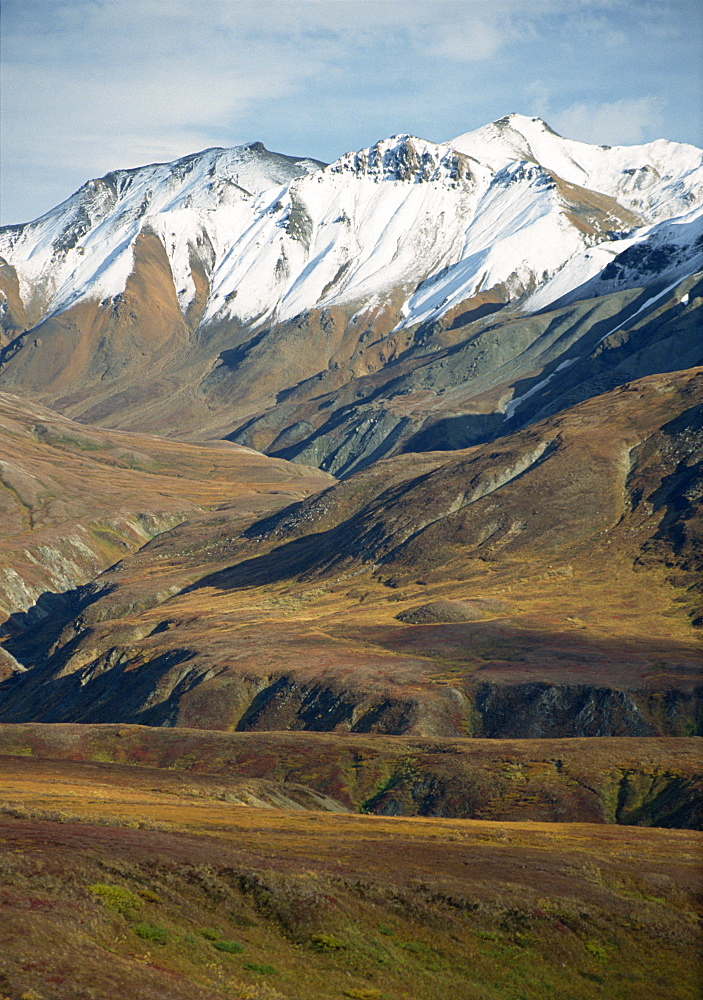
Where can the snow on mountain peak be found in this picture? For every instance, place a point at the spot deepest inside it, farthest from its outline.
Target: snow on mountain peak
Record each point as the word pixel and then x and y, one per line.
pixel 656 180
pixel 83 247
pixel 406 158
pixel 507 205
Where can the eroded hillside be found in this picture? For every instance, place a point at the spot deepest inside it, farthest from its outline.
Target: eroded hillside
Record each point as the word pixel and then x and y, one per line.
pixel 557 570
pixel 75 500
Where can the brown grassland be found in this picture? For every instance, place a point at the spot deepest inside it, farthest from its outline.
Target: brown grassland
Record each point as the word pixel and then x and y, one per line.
pixel 75 499
pixel 125 883
pixel 333 823
pixel 579 577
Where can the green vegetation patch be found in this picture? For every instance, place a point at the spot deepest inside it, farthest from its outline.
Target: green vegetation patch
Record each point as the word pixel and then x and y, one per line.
pixel 597 950
pixel 405 769
pixel 72 442
pixel 151 932
pixel 117 898
pixel 149 895
pixel 231 947
pixel 260 968
pixel 418 947
pixel 210 934
pixel 326 942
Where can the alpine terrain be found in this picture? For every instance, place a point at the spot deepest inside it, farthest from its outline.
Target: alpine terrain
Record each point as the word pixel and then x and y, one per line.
pixel 351 575
pixel 408 296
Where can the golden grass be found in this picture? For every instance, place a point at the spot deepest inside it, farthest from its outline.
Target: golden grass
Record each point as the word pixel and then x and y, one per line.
pixel 327 906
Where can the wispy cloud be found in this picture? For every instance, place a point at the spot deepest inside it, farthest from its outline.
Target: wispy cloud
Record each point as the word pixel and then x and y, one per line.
pixel 90 85
pixel 469 39
pixel 615 123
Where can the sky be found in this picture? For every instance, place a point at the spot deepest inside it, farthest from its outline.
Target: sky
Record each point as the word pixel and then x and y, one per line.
pixel 89 86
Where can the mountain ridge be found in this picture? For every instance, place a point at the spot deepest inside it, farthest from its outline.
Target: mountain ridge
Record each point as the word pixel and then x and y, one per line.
pixel 455 593
pixel 211 180
pixel 243 278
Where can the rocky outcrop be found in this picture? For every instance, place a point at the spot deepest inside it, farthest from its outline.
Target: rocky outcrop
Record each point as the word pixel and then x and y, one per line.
pixel 440 594
pixel 547 710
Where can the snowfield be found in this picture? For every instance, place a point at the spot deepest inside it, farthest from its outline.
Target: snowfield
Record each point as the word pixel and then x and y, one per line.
pixel 511 208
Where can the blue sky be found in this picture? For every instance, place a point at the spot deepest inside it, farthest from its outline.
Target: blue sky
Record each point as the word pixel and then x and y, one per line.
pixel 91 85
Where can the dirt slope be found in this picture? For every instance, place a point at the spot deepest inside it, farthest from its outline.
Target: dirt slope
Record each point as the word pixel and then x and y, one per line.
pixel 74 499
pixel 575 544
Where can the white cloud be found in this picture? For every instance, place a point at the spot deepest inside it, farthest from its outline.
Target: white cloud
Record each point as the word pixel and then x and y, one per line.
pixel 470 39
pixel 540 96
pixel 90 85
pixel 121 84
pixel 617 123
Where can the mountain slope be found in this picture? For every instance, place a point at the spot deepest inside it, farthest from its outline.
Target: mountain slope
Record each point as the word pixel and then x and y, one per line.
pixel 197 297
pixel 648 781
pixel 317 906
pixel 455 593
pixel 74 499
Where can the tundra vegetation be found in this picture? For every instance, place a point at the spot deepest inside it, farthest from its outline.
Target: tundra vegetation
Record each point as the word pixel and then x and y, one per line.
pixel 133 860
pixel 425 724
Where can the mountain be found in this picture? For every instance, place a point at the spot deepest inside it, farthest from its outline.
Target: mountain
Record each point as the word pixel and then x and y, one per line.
pixel 74 500
pixel 543 585
pixel 411 295
pixel 491 342
pixel 213 659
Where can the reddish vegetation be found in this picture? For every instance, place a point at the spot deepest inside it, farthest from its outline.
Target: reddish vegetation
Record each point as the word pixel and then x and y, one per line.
pixel 346 906
pixel 641 781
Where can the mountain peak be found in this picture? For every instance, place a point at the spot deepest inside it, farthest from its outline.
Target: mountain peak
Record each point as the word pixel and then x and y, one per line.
pixel 515 119
pixel 503 207
pixel 406 158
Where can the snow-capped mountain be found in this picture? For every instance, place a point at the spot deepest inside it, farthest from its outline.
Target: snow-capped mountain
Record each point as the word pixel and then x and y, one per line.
pixel 84 247
pixel 656 180
pixel 225 246
pixel 502 206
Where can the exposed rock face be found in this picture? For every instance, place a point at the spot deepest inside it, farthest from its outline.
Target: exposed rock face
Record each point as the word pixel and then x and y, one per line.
pixel 547 710
pixel 291 621
pixel 410 296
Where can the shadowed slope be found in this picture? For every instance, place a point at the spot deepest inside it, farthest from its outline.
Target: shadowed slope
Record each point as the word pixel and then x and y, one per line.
pixel 579 537
pixel 75 499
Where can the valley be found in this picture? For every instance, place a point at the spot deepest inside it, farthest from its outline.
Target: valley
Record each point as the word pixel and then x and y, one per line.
pixel 350 576
pixel 304 619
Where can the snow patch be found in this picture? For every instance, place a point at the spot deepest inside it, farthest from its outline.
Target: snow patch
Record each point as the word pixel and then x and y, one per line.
pixel 516 401
pixel 438 221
